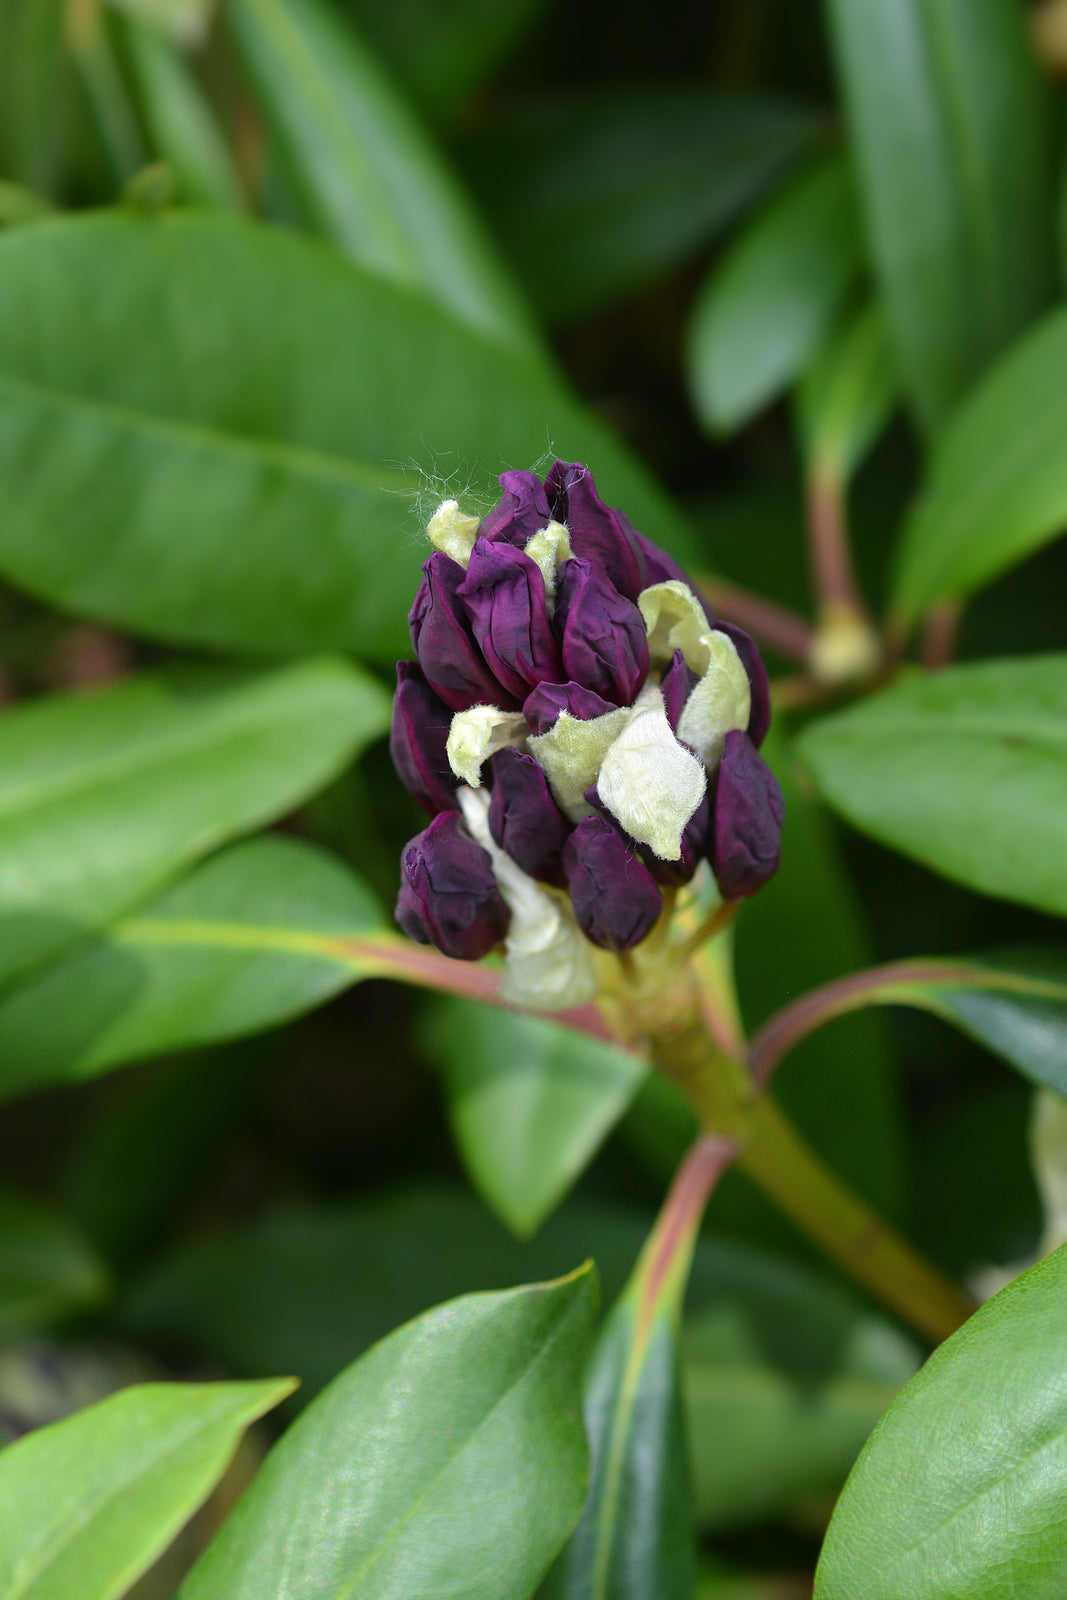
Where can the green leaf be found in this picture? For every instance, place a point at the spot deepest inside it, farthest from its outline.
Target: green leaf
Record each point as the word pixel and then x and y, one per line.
pixel 257 935
pixel 951 134
pixel 959 1494
pixel 181 125
pixel 372 181
pixel 47 1269
pixel 87 1504
pixel 596 192
pixel 966 770
pixel 103 795
pixel 530 1102
pixel 998 487
pixel 255 499
pixel 847 396
pixel 771 302
pixel 37 93
pixel 450 1458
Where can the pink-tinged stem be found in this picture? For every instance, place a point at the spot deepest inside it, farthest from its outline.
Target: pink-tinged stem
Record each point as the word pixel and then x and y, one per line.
pixel 894 982
pixel 665 1259
pixel 782 630
pixel 832 574
pixel 940 628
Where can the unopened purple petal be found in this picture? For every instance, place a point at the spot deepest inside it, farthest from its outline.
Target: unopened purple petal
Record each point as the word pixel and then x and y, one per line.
pixel 596 532
pixel 695 838
pixel 504 596
pixel 615 897
pixel 661 567
pixel 760 716
pixel 523 817
pixel 749 811
pixel 418 738
pixel 542 708
pixel 441 634
pixel 676 687
pixel 602 633
pixel 522 512
pixel 448 894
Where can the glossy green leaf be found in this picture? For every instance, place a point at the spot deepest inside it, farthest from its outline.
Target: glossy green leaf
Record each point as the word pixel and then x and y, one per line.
pixel 255 936
pixel 47 1269
pixel 442 50
pixel 847 396
pixel 776 1422
pixel 597 192
pixel 181 126
pixel 450 1458
pixel 773 299
pixel 372 181
pixel 959 1494
pixel 273 500
pixel 966 770
pixel 530 1102
pixel 103 795
pixel 949 121
pixel 998 487
pixel 87 1504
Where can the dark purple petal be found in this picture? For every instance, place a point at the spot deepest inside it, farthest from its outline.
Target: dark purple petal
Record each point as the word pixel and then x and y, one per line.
pixel 749 811
pixel 614 895
pixel 542 708
pixel 676 687
pixel 659 567
pixel 443 641
pixel 504 595
pixel 602 634
pixel 418 738
pixel 522 512
pixel 597 533
pixel 695 838
pixel 760 716
pixel 448 894
pixel 523 817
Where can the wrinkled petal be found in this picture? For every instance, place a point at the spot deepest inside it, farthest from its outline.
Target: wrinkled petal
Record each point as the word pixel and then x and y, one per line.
pixel 676 686
pixel 571 753
pixel 719 702
pixel 659 567
pixel 478 733
pixel 443 641
pixel 523 817
pixel 523 509
pixel 549 964
pixel 543 706
pixel 448 894
pixel 597 533
pixel 760 716
pixel 452 532
pixel 504 596
pixel 649 782
pixel 749 811
pixel 418 739
pixel 602 634
pixel 615 897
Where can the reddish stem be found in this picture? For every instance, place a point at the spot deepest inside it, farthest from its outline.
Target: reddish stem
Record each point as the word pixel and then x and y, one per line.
pixel 782 630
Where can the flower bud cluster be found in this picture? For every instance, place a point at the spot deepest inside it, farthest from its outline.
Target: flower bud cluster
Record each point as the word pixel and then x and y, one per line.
pixel 581 729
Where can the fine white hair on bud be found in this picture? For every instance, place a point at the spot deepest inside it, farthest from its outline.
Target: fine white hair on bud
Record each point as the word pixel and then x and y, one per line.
pixel 479 733
pixel 453 532
pixel 548 959
pixel 649 782
pixel 719 703
pixel 549 547
pixel 675 620
pixel 571 752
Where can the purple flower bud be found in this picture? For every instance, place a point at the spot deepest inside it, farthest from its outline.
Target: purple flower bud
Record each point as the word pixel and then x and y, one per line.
pixel 418 738
pixel 522 512
pixel 749 811
pixel 614 895
pixel 448 894
pixel 444 644
pixel 597 533
pixel 523 817
pixel 760 716
pixel 504 595
pixel 658 566
pixel 542 708
pixel 695 837
pixel 678 682
pixel 603 638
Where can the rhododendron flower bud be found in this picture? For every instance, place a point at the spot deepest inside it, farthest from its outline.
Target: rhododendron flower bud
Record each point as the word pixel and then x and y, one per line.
pixel 601 737
pixel 448 894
